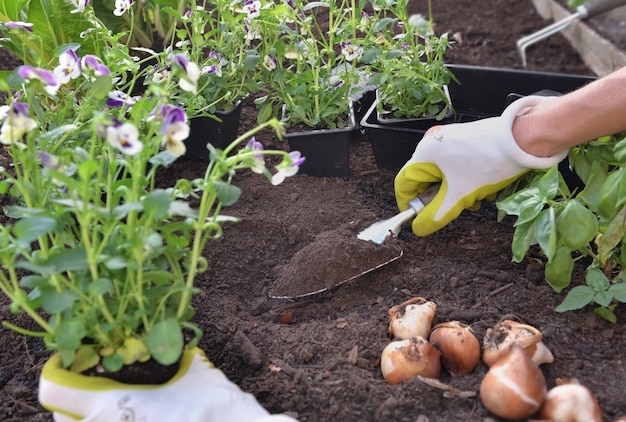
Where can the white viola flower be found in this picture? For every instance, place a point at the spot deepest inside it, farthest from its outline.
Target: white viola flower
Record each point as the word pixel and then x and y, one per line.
pixel 80 5
pixel 259 161
pixel 121 6
pixel 160 75
pixel 119 98
pixel 289 167
pixel 4 112
pixel 252 8
pixel 189 80
pixel 175 135
pixel 51 85
pixel 175 129
pixel 350 51
pixel 16 123
pixel 68 68
pixel 270 63
pixel 124 137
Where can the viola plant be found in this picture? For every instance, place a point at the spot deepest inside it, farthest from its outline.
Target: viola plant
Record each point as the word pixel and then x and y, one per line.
pixel 312 60
pixel 408 63
pixel 586 222
pixel 99 250
pixel 214 37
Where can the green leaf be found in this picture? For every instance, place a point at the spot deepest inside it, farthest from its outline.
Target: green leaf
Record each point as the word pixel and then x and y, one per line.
pixel 545 232
pixel 603 298
pixel 88 168
pixel 113 363
pixel 619 150
pixel 100 88
pixel 577 298
pixel 157 203
pixel 597 280
pixel 591 193
pixel 610 193
pixel 54 302
pixel 226 193
pixel 315 4
pixel 29 229
pixel 549 183
pixel 34 281
pixel 522 239
pixel 66 260
pixel 576 225
pixel 99 287
pixel 614 233
pixel 165 341
pixel 618 291
pixel 559 271
pixel 69 334
pixel 606 313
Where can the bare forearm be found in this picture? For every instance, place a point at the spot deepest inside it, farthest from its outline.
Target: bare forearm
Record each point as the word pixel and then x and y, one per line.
pixel 595 110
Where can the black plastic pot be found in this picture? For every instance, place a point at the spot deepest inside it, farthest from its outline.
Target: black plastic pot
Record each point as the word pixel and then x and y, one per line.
pixel 481 92
pixel 219 133
pixel 414 122
pixel 327 151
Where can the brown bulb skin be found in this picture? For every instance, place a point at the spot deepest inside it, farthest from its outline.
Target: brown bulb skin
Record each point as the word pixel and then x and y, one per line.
pixel 459 347
pixel 514 388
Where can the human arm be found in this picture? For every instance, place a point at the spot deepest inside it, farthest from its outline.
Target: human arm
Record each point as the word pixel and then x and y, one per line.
pixel 594 110
pixel 475 160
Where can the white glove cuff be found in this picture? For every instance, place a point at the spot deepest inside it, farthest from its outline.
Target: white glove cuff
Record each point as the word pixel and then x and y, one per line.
pixel 512 149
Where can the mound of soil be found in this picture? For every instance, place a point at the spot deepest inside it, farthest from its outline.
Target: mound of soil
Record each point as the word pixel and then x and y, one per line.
pixel 321 363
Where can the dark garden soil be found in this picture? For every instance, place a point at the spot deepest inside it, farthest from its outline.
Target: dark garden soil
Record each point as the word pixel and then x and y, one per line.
pixel 318 357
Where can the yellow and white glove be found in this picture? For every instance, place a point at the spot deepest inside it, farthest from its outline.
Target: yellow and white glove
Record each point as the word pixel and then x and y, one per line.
pixel 472 160
pixel 198 392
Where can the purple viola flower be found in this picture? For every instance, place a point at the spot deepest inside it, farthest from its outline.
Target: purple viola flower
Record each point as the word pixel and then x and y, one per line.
pixel 289 167
pixel 119 98
pixel 93 65
pixel 49 161
pixel 175 129
pixel 270 63
pixel 124 137
pixel 121 6
pixel 252 8
pixel 350 51
pixel 189 80
pixel 19 25
pixel 51 85
pixel 172 114
pixel 259 161
pixel 80 5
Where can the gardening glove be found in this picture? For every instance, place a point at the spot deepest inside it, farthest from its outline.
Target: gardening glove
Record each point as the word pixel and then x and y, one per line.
pixel 198 392
pixel 472 160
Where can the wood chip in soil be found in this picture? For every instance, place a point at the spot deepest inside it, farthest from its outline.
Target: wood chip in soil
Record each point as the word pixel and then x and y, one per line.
pixel 332 258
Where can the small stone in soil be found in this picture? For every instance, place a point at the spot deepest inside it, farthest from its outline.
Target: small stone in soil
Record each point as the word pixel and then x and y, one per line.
pixel 333 257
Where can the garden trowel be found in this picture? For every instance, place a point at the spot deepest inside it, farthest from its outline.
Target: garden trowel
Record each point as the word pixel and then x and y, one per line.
pixel 373 246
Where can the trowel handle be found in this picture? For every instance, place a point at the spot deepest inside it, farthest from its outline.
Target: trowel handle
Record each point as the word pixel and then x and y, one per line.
pixel 416 205
pixel 598 7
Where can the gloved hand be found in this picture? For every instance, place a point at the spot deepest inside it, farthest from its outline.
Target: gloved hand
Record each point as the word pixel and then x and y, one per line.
pixel 198 392
pixel 472 160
